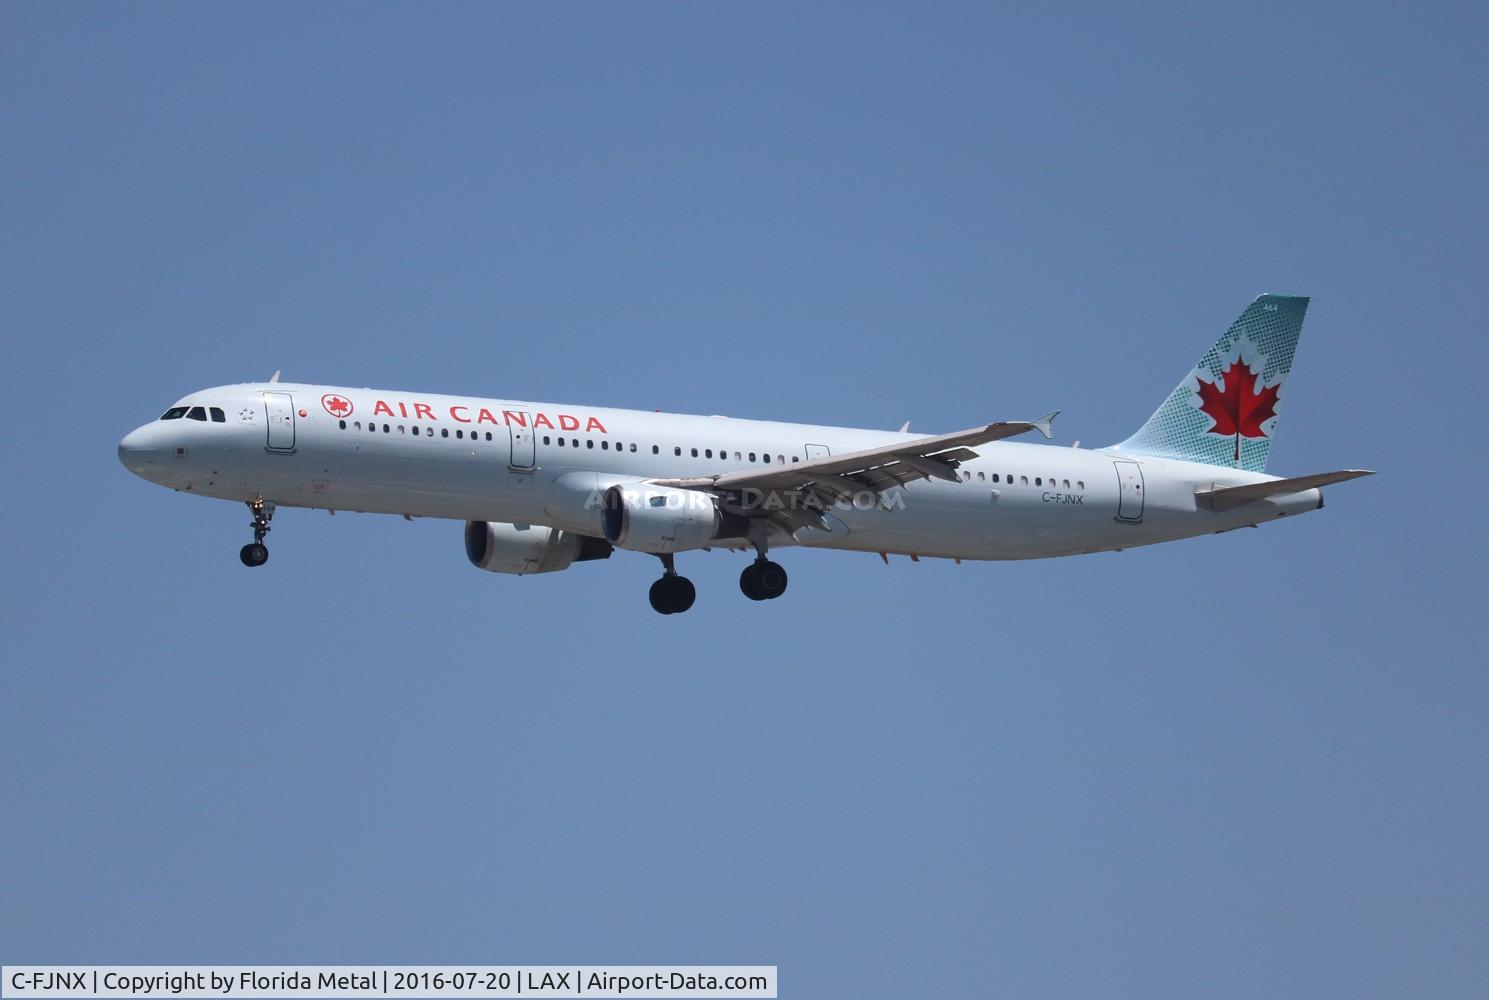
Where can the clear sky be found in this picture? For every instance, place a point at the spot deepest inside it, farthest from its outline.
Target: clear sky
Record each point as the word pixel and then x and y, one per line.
pixel 1246 765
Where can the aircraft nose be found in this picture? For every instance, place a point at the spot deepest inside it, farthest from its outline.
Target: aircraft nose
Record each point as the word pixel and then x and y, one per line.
pixel 141 450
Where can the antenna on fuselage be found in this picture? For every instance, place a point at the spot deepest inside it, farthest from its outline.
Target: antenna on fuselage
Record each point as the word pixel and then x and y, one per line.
pixel 274 379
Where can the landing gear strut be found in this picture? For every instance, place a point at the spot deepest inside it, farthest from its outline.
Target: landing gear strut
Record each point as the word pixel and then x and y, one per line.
pixel 256 553
pixel 672 594
pixel 762 580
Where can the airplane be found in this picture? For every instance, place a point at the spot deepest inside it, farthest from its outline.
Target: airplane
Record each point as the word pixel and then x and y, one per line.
pixel 542 486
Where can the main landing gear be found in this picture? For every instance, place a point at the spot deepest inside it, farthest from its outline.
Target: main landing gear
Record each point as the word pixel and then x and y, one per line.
pixel 763 580
pixel 672 594
pixel 256 553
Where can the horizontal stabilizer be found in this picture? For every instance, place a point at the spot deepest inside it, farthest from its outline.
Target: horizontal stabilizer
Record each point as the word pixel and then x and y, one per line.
pixel 1225 497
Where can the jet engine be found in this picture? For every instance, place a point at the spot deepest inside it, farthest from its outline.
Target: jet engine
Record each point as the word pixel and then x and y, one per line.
pixel 498 547
pixel 660 519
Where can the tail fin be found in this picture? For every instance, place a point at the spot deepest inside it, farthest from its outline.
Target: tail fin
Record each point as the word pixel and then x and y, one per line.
pixel 1224 412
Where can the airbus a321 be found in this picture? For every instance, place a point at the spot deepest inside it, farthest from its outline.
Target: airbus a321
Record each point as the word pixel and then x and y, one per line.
pixel 542 486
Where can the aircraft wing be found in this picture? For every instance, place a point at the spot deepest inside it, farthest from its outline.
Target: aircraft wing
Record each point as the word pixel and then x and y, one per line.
pixel 873 469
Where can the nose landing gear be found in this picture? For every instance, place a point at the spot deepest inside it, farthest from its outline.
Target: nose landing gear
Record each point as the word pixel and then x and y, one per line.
pixel 672 594
pixel 256 553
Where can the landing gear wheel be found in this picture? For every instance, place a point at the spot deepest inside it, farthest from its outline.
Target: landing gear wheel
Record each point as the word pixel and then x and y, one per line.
pixel 672 594
pixel 658 597
pixel 763 580
pixel 254 554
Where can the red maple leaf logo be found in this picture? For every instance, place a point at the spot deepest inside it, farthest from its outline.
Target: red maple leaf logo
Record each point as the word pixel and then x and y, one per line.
pixel 1240 408
pixel 336 405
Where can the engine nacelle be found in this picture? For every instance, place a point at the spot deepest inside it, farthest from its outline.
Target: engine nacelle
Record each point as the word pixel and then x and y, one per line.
pixel 660 519
pixel 498 547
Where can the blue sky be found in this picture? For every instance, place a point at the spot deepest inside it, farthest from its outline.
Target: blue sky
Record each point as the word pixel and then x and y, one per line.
pixel 1247 765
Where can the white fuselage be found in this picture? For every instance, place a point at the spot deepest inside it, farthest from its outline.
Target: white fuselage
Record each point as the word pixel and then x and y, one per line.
pixel 474 459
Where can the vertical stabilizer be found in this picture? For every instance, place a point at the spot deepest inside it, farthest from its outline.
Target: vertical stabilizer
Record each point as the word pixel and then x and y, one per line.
pixel 1224 412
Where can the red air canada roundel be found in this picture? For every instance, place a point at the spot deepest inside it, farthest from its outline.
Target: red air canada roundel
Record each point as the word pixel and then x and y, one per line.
pixel 336 404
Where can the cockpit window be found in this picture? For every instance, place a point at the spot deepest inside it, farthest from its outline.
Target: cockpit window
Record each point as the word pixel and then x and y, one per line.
pixel 174 413
pixel 218 417
pixel 196 413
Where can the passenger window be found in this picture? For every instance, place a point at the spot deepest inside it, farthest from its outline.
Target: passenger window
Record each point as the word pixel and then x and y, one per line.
pixel 752 456
pixel 795 459
pixel 1067 484
pixel 444 432
pixel 401 430
pixel 218 417
pixel 488 435
pixel 633 447
pixel 459 434
pixel 604 445
pixel 995 477
pixel 766 456
pixel 981 477
pixel 655 450
pixel 1024 480
pixel 695 452
pixel 546 439
pixel 1038 481
pixel 708 453
pixel 677 451
pixel 343 424
pixel 196 413
pixel 781 459
pixel 1080 484
pixel 590 443
pixel 174 413
pixel 387 429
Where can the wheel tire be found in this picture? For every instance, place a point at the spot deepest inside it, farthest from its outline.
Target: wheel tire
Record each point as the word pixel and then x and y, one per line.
pixel 681 594
pixel 659 597
pixel 254 554
pixel 770 580
pixel 749 582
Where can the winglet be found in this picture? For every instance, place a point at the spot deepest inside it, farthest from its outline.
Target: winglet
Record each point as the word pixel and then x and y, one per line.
pixel 274 379
pixel 1042 425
